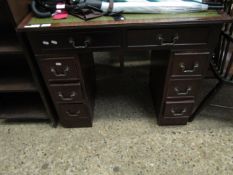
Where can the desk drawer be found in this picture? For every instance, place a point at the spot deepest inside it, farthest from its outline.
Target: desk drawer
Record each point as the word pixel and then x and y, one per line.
pixel 168 37
pixel 74 40
pixel 182 88
pixel 189 64
pixel 178 109
pixel 60 69
pixel 74 111
pixel 67 92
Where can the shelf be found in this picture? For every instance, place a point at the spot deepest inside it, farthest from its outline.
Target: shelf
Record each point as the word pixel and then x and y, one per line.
pixel 10 46
pixel 22 106
pixel 15 75
pixel 8 39
pixel 17 84
pixel 19 98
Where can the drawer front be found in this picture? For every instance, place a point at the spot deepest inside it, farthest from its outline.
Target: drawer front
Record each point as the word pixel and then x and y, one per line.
pixel 168 37
pixel 189 64
pixel 67 92
pixel 178 109
pixel 60 69
pixel 182 88
pixel 74 111
pixel 74 40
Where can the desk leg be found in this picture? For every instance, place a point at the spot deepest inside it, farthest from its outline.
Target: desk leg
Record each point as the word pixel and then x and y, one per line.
pixel 71 84
pixel 158 75
pixel 169 112
pixel 175 83
pixel 121 60
pixel 89 76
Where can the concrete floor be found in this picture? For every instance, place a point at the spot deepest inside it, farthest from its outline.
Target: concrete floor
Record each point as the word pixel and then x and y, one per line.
pixel 125 138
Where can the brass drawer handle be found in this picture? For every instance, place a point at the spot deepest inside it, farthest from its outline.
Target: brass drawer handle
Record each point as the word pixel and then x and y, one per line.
pixel 75 114
pixel 189 89
pixel 183 67
pixel 64 74
pixel 163 43
pixel 70 98
pixel 87 42
pixel 175 113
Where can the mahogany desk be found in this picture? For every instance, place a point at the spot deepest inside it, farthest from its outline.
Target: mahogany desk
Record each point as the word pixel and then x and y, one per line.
pixel 180 45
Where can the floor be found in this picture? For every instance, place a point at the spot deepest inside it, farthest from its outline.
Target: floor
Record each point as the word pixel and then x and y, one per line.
pixel 125 138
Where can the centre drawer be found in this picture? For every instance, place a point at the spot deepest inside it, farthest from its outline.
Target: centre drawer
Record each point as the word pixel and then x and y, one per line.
pixel 168 37
pixel 58 42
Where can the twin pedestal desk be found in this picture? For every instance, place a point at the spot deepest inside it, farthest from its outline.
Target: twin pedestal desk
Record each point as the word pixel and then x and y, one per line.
pixel 180 46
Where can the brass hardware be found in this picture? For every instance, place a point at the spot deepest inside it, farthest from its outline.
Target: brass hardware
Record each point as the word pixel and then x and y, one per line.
pixel 163 43
pixel 189 89
pixel 178 113
pixel 70 98
pixel 87 42
pixel 64 74
pixel 183 67
pixel 75 114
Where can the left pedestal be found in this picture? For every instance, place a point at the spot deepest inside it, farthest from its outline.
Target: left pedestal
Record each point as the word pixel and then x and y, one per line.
pixel 71 83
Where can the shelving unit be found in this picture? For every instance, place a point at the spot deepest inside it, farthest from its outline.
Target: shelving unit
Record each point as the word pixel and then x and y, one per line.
pixel 15 75
pixel 10 45
pixel 19 95
pixel 22 106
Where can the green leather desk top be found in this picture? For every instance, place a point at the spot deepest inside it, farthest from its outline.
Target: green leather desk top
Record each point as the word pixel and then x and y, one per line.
pixel 72 19
pixel 31 23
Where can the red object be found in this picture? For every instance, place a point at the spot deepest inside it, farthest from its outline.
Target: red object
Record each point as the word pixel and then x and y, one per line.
pixel 60 15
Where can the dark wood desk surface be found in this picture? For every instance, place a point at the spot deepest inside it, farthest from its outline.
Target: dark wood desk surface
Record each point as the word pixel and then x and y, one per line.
pixel 180 45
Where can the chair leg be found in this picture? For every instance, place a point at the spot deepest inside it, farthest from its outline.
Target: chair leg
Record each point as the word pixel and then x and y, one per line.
pixel 206 100
pixel 221 106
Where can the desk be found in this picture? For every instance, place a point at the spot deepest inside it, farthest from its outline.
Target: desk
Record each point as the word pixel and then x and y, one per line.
pixel 180 46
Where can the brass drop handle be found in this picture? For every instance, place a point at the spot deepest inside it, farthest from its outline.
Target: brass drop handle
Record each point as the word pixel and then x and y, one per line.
pixel 189 89
pixel 175 113
pixel 70 98
pixel 164 43
pixel 75 114
pixel 183 67
pixel 85 45
pixel 63 74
